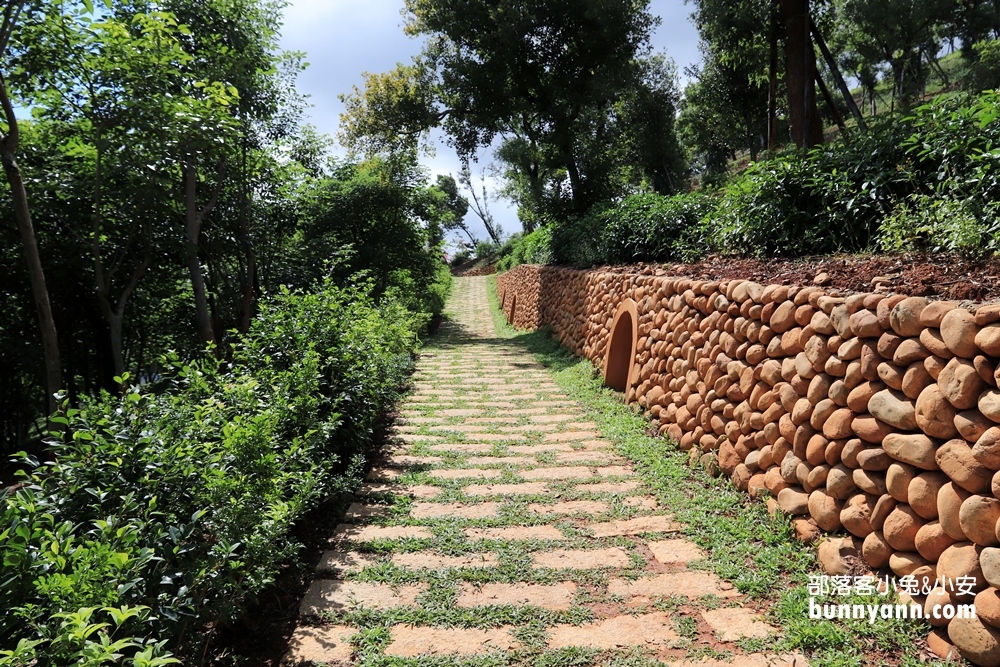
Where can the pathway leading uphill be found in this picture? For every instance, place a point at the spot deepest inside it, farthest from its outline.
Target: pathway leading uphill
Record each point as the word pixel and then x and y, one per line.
pixel 504 527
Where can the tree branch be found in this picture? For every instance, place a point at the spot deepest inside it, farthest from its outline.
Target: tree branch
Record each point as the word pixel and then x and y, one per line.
pixel 10 15
pixel 13 138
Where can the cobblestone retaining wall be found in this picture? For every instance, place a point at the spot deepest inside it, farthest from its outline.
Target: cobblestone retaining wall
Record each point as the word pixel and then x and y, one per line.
pixel 873 414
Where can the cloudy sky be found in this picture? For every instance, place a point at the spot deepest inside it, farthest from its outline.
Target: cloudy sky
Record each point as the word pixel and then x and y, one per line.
pixel 343 38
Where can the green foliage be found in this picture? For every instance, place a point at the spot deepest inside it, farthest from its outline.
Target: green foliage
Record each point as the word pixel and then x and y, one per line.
pixel 644 228
pixel 533 248
pixel 587 116
pixel 927 224
pixel 378 218
pixel 173 503
pixel 928 181
pixel 984 74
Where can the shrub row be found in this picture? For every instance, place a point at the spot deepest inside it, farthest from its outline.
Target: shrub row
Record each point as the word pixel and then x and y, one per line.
pixel 167 507
pixel 929 181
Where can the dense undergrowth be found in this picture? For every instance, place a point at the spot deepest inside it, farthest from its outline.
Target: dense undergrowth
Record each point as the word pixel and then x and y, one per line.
pixel 166 508
pixel 928 181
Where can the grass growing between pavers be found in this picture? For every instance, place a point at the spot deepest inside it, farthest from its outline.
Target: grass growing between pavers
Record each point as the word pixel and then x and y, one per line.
pixel 756 552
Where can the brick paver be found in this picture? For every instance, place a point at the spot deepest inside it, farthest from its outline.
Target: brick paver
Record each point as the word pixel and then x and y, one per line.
pixel 502 494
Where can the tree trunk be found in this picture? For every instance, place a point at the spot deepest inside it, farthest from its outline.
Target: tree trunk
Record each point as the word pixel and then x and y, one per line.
pixel 22 213
pixel 800 63
pixel 249 277
pixel 193 220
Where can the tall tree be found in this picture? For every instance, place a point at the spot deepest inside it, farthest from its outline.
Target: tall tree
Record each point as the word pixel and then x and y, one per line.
pixel 98 81
pixel 903 34
pixel 9 145
pixel 800 74
pixel 550 78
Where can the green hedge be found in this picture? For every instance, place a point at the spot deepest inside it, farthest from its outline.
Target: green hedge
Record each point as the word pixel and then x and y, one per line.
pixel 929 181
pixel 166 508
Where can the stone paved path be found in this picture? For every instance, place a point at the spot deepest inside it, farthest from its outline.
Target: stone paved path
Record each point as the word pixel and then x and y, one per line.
pixel 504 524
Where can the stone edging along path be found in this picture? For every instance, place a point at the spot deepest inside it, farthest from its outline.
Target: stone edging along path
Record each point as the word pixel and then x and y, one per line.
pixel 874 414
pixel 505 528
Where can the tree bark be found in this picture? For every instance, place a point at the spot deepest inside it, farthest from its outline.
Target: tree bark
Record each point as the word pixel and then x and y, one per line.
pixel 800 63
pixel 193 222
pixel 22 213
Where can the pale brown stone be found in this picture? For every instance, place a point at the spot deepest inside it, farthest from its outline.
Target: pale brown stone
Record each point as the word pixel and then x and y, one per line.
pixel 893 408
pixel 988 340
pixel 581 559
pixel 420 491
pixel 465 448
pixel 614 471
pixel 409 641
pixel 978 518
pixel 534 450
pixel 915 449
pixel 988 606
pixel 568 472
pixel 571 507
pixel 904 318
pixel 469 473
pixel 960 383
pixel 570 436
pixel 333 595
pixel 383 475
pixel 825 510
pixel 558 597
pixel 675 584
pixel 793 501
pixel 962 560
pixel 897 480
pixel 900 528
pixel 941 646
pixel 956 460
pixel 904 563
pixel 935 414
pixel 949 501
pixel 323 644
pixel 592 457
pixel 609 487
pixel 526 489
pixel 836 554
pixel 406 461
pixel 875 550
pixel 341 562
pixel 987 448
pixel 959 329
pixel 972 424
pixel 733 623
pixel 347 531
pixel 499 461
pixel 453 510
pixel 989 560
pixel 651 630
pixel 637 526
pixel 937 598
pixel 977 642
pixel 923 492
pixel 515 533
pixel 426 560
pixel 989 405
pixel 870 429
pixel 675 551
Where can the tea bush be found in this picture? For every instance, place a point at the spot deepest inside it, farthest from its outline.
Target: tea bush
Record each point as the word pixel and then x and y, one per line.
pixel 533 248
pixel 928 181
pixel 650 227
pixel 167 507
